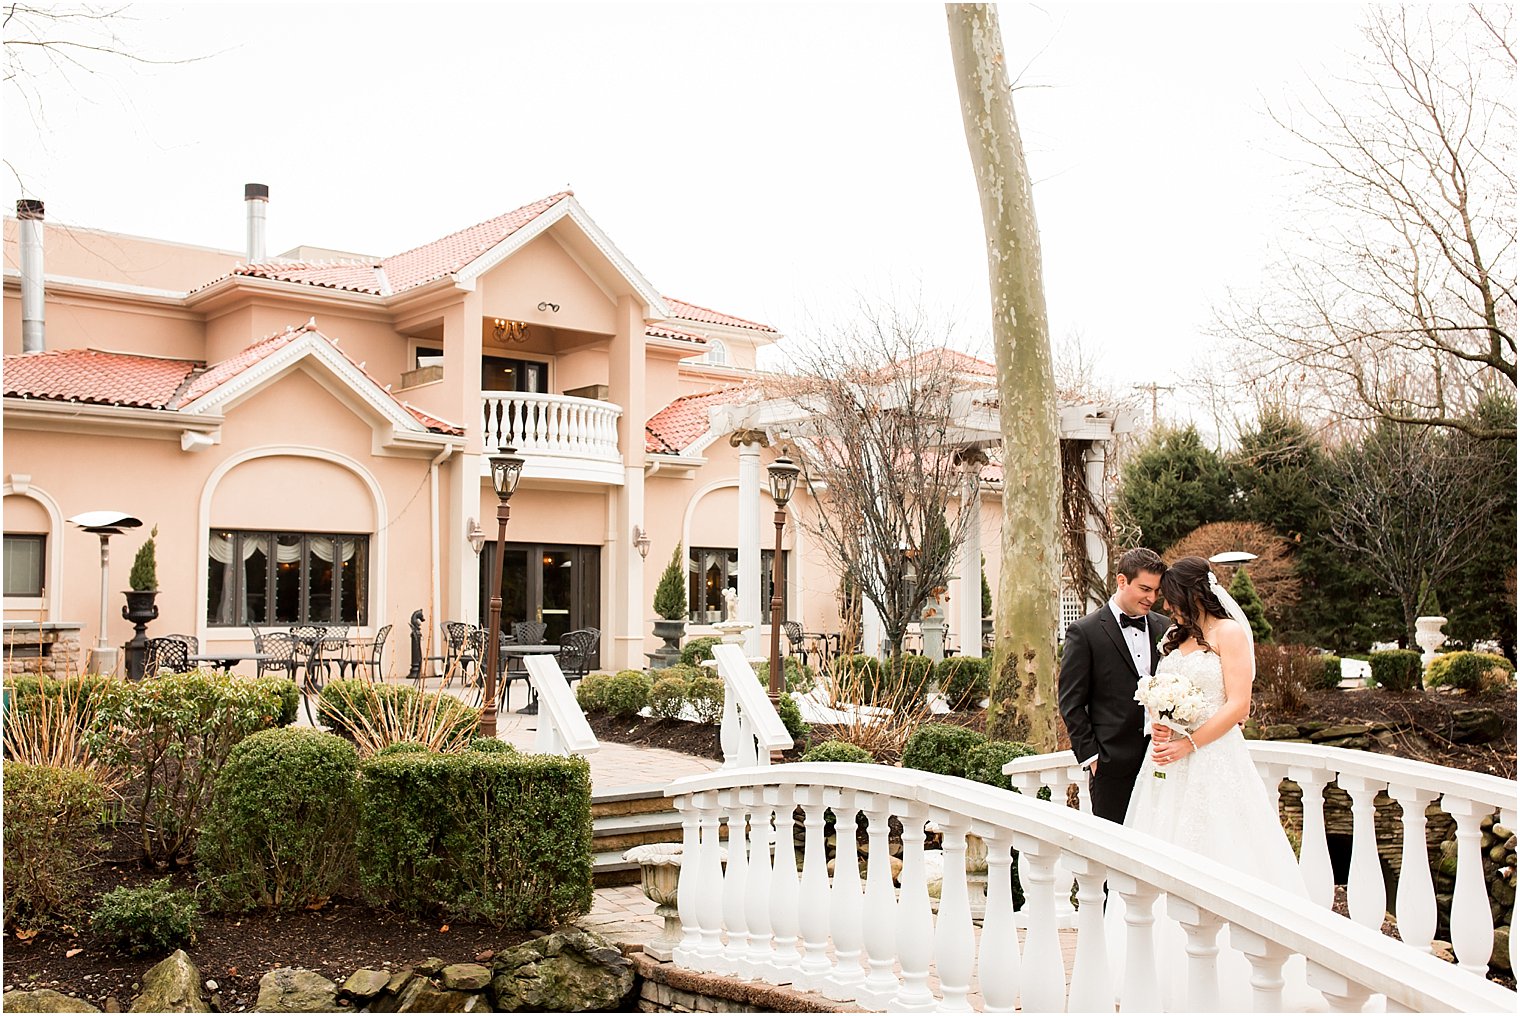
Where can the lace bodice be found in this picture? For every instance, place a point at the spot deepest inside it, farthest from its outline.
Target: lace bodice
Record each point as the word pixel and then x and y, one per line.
pixel 1201 668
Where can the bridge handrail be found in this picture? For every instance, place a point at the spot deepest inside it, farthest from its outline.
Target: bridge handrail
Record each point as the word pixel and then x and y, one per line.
pixel 751 727
pixel 562 726
pixel 1341 953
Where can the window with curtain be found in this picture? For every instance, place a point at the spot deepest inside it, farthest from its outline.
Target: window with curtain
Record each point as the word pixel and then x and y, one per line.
pixel 286 578
pixel 711 570
pixel 25 564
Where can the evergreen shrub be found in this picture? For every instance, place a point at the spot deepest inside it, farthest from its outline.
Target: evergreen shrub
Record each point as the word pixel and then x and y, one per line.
pixel 627 692
pixel 791 718
pixel 1396 669
pixel 280 829
pixel 492 745
pixel 913 672
pixel 152 919
pixel 941 748
pixel 699 649
pixel 863 671
pixel 799 679
pixel 591 692
pixel 667 696
pixel 492 837
pixel 1330 677
pixel 985 762
pixel 962 680
pixel 51 817
pixel 670 594
pixel 1243 591
pixel 1469 671
pixel 144 574
pixel 705 694
pixel 174 733
pixel 837 751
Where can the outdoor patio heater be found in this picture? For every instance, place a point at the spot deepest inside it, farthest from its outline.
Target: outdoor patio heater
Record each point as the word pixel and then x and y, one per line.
pixel 506 471
pixel 104 524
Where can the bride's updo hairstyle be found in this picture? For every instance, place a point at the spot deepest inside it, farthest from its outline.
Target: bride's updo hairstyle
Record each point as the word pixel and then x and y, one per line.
pixel 1189 598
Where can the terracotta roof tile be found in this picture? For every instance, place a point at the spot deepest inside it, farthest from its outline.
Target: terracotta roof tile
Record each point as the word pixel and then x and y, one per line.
pixel 665 331
pixel 682 310
pixel 220 373
pixel 675 427
pixel 97 377
pixel 451 253
pixel 353 276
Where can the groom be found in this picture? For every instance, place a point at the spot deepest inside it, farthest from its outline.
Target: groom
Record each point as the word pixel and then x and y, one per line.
pixel 1104 655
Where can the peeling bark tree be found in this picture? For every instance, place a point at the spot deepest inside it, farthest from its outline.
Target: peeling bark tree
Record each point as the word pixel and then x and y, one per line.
pixel 1022 701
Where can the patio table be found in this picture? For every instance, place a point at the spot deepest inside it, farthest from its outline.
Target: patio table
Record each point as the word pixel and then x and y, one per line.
pixel 529 649
pixel 228 660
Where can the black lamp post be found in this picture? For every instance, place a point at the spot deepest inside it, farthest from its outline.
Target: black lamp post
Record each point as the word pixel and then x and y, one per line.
pixel 506 470
pixel 783 476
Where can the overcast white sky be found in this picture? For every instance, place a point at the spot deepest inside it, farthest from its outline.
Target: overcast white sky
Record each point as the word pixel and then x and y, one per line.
pixel 769 160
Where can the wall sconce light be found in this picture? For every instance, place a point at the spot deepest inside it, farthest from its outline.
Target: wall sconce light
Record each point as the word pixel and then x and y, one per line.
pixel 546 305
pixel 641 541
pixel 476 536
pixel 504 330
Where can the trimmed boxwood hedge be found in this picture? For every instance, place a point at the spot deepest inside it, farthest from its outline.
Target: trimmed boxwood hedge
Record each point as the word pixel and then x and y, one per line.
pixel 838 751
pixel 280 829
pixel 962 680
pixel 1330 677
pixel 699 649
pixel 985 762
pixel 51 820
pixel 494 837
pixel 1396 669
pixel 1469 671
pixel 941 748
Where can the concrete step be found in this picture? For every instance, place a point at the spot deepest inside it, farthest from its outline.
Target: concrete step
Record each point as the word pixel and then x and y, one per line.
pixel 628 817
pixel 630 800
pixel 609 868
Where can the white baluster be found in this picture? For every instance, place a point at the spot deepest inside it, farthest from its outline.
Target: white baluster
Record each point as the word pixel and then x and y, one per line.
pixel 1341 993
pixel 729 735
pixel 915 920
pixel 1202 930
pixel 735 881
pixel 845 903
pixel 1314 851
pixel 1044 973
pixel 1508 816
pixel 1092 983
pixel 997 968
pixel 954 939
pixel 1271 778
pixel 555 413
pixel 1266 958
pixel 784 953
pixel 710 894
pixel 757 900
pixel 1415 902
pixel 1390 1005
pixel 1366 894
pixel 813 911
pixel 1472 923
pixel 880 912
pixel 749 747
pixel 1084 795
pixel 687 887
pixel 1140 991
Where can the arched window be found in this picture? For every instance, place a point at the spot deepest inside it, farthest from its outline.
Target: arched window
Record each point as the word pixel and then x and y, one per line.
pixel 717 353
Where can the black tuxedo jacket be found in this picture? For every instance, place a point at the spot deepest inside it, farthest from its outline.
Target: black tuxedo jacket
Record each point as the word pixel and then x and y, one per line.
pixel 1097 688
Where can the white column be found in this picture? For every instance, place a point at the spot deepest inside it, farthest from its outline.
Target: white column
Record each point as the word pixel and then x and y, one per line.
pixel 749 542
pixel 969 617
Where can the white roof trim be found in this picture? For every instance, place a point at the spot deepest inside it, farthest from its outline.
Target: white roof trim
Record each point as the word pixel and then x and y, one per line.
pixel 654 305
pixel 311 344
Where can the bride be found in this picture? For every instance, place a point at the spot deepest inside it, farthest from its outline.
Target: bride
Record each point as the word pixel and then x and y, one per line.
pixel 1200 790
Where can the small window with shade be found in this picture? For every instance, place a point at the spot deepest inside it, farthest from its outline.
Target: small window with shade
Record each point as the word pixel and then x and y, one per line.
pixel 25 564
pixel 717 353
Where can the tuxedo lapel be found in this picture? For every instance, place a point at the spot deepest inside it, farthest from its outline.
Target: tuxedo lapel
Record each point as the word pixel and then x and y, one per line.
pixel 1116 636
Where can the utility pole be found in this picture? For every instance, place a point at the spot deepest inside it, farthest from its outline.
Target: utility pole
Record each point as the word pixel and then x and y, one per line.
pixel 1154 389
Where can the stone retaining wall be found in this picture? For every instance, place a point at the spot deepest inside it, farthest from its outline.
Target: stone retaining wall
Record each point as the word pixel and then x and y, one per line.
pixel 52 650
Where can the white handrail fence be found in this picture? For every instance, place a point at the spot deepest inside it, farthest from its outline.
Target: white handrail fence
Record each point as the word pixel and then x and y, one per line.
pixel 564 425
pixel 1466 796
pixel 764 916
pixel 751 727
pixel 562 726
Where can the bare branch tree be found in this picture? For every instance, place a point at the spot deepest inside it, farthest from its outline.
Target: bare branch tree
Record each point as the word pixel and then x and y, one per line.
pixel 1396 300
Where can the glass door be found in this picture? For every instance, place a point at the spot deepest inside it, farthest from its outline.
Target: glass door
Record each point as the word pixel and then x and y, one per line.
pixel 556 584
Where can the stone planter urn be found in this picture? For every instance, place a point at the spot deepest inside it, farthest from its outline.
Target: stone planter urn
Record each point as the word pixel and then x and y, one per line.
pixel 659 877
pixel 1428 636
pixel 140 609
pixel 669 654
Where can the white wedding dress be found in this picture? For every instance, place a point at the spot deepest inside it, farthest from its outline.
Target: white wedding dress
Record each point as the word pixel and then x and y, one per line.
pixel 1212 802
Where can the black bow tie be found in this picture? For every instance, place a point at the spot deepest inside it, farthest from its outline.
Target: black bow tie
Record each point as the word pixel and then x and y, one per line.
pixel 1125 621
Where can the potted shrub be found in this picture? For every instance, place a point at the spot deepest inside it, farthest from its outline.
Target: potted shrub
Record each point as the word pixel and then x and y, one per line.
pixel 140 608
pixel 670 605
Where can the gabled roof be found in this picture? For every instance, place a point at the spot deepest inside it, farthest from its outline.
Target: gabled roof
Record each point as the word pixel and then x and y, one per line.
pixel 680 309
pixel 145 382
pixel 673 429
pixel 665 331
pixel 97 377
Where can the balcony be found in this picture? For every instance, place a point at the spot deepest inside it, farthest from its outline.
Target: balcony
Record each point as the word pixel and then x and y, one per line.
pixel 561 437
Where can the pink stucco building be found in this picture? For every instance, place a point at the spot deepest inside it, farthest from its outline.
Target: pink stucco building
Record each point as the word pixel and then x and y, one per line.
pixel 309 432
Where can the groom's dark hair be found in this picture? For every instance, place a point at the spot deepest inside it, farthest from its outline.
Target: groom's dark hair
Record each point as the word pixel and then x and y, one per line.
pixel 1139 559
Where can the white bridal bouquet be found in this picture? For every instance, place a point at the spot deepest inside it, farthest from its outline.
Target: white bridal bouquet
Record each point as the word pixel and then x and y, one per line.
pixel 1174 699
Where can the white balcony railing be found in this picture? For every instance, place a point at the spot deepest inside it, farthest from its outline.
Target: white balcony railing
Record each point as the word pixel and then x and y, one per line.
pixel 762 915
pixel 561 436
pixel 1468 797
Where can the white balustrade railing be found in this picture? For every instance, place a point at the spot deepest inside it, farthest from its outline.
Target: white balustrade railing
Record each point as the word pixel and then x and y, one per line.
pixel 768 915
pixel 751 727
pixel 1468 797
pixel 561 425
pixel 562 726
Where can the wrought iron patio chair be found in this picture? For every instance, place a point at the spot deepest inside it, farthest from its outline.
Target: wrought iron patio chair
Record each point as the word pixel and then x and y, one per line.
pixel 283 650
pixel 367 654
pixel 795 641
pixel 167 652
pixel 576 650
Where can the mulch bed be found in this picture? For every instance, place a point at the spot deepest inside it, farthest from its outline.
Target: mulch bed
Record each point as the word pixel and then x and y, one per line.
pixel 235 951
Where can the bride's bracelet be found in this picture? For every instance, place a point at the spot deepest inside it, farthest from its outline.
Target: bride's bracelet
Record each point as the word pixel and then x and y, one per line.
pixel 1190 740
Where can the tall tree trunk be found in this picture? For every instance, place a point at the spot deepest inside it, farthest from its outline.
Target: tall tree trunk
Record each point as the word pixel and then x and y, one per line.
pixel 1022 702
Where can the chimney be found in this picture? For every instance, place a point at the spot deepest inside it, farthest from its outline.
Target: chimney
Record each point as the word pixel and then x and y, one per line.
pixel 29 214
pixel 256 197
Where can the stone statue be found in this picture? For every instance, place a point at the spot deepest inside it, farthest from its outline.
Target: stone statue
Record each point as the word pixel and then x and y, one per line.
pixel 730 604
